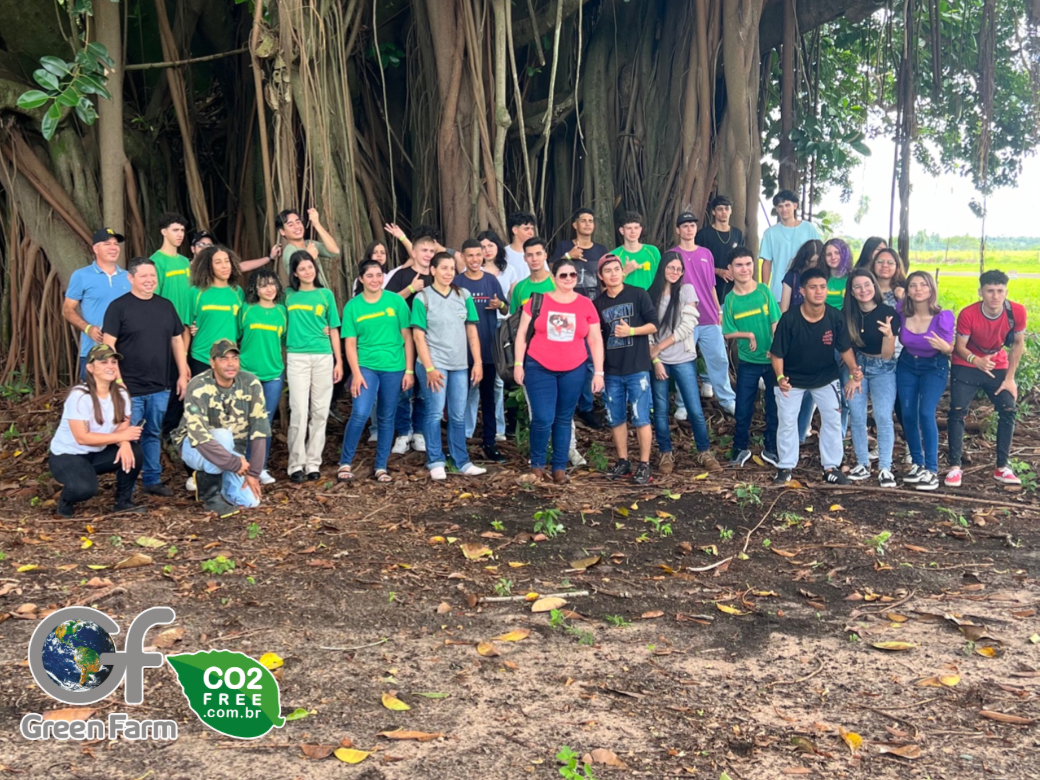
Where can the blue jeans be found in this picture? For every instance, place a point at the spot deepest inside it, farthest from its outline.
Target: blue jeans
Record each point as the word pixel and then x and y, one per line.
pixel 473 401
pixel 685 376
pixel 233 488
pixel 622 393
pixel 381 394
pixel 879 381
pixel 748 375
pixel 586 397
pixel 411 409
pixel 151 409
pixel 921 382
pixel 553 398
pixel 453 394
pixel 712 347
pixel 272 395
pixel 83 368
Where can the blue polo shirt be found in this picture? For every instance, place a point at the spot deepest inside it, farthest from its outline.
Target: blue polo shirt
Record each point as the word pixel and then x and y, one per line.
pixel 94 290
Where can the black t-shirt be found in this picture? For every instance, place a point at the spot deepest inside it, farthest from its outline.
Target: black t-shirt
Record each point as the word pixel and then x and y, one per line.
pixel 808 347
pixel 143 330
pixel 629 355
pixel 868 327
pixel 712 240
pixel 405 277
pixel 587 267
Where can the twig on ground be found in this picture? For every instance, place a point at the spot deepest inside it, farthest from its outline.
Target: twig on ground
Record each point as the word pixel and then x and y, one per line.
pixel 497 599
pixel 801 679
pixel 902 495
pixel 359 647
pixel 711 566
pixel 747 539
pixel 229 637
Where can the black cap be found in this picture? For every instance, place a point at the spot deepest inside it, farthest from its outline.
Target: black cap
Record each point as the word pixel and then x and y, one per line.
pixel 198 235
pixel 686 216
pixel 103 234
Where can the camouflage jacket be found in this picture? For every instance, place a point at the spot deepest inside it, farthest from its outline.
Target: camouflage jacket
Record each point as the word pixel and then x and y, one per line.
pixel 239 408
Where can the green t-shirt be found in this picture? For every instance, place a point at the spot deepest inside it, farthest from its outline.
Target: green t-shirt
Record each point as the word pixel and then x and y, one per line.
pixel 215 312
pixel 836 291
pixel 263 338
pixel 174 274
pixel 323 254
pixel 648 257
pixel 755 313
pixel 523 289
pixel 377 328
pixel 310 312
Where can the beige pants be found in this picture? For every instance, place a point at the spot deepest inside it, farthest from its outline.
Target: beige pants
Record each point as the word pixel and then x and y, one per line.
pixel 310 392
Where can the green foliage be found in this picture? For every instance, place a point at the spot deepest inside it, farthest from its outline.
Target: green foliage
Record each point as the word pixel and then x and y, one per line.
pixel 11 433
pixel 498 525
pixel 390 54
pixel 3 555
pixel 254 530
pixel 582 636
pixel 660 526
pixel 17 389
pixel 546 521
pixel 570 769
pixel 748 495
pixel 597 457
pixel 1024 471
pixel 956 517
pixel 725 534
pixel 504 587
pixel 218 565
pixel 617 621
pixel 69 85
pixel 878 542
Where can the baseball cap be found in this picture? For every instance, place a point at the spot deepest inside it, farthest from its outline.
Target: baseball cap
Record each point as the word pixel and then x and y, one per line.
pixel 102 351
pixel 607 258
pixel 103 234
pixel 222 348
pixel 686 216
pixel 198 235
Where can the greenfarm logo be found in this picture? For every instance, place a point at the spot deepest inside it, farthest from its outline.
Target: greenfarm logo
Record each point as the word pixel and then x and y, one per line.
pixel 73 659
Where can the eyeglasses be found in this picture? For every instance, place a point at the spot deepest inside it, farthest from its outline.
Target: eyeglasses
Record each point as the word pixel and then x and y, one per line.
pixel 567 275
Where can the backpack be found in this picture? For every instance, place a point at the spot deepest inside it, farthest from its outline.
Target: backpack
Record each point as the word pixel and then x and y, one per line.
pixel 505 340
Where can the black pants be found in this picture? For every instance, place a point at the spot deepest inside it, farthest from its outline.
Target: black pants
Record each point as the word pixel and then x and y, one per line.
pixel 965 381
pixel 78 474
pixel 487 405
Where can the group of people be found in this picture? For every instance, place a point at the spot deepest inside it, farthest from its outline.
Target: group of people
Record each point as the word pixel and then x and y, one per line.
pixel 184 350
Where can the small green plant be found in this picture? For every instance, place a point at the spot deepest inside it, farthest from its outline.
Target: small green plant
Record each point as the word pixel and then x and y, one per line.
pixel 725 534
pixel 167 570
pixel 3 555
pixel 171 551
pixel 661 528
pixel 556 619
pixel 254 530
pixel 11 433
pixel 617 621
pixel 766 543
pixel 498 525
pixel 790 518
pixel 878 542
pixel 1024 471
pixel 597 457
pixel 968 649
pixel 547 521
pixel 748 495
pixel 504 587
pixel 218 565
pixel 17 389
pixel 115 540
pixel 570 769
pixel 392 596
pixel 250 581
pixel 643 537
pixel 35 501
pixel 956 517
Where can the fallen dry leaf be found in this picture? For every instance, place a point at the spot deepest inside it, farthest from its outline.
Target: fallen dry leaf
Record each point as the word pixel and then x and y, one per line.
pixel 940 682
pixel 803 744
pixel 169 637
pixel 149 541
pixel 607 757
pixel 548 604
pixel 652 614
pixel 516 635
pixel 443 607
pixel 271 660
pixel 730 610
pixel 317 751
pixel 796 770
pixel 852 739
pixel 350 755
pixel 1016 720
pixel 391 702
pixel 474 551
pixel 894 645
pixel 97 582
pixel 585 563
pixel 69 713
pixel 487 650
pixel 988 652
pixel 903 751
pixel 135 560
pixel 420 736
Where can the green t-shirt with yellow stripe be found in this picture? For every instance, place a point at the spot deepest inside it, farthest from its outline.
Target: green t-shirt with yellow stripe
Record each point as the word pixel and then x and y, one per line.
pixel 377 328
pixel 215 312
pixel 754 312
pixel 310 312
pixel 263 339
pixel 174 272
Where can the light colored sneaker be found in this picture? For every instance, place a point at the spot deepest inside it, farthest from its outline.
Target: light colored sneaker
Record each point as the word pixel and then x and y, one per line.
pixel 266 478
pixel 576 459
pixel 680 414
pixel 373 436
pixel 418 442
pixel 438 474
pixel 874 454
pixel 731 410
pixel 500 437
pixel 473 471
pixel 666 465
pixel 707 391
pixel 886 478
pixel 401 445
pixel 1006 476
pixel 927 480
pixel 954 477
pixel 190 485
pixel 859 472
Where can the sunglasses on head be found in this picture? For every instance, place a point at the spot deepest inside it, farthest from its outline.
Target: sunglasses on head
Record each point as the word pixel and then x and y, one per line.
pixel 567 275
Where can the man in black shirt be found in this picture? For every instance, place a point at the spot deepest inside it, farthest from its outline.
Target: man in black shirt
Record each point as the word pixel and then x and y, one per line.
pixel 627 317
pixel 802 353
pixel 147 331
pixel 720 238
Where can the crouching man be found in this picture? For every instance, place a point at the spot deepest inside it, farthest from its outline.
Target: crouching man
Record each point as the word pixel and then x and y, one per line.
pixel 224 416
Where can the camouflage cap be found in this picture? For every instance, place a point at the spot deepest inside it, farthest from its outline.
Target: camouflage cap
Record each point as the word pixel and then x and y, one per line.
pixel 222 348
pixel 102 351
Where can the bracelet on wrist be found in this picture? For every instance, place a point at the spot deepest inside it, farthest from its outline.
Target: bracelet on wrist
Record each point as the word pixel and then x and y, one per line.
pixel 412 291
pixel 598 373
pixel 655 361
pixel 86 328
pixel 518 365
pixel 781 377
pixel 431 368
pixel 409 371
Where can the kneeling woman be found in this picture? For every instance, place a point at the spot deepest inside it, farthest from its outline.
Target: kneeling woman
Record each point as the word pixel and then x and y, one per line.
pixel 444 326
pixel 95 437
pixel 554 370
pixel 381 355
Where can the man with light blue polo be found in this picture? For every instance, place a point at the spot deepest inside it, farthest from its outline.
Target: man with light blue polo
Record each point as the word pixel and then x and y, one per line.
pixel 92 289
pixel 781 242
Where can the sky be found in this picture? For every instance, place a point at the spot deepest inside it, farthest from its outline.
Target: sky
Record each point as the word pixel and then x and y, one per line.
pixel 937 204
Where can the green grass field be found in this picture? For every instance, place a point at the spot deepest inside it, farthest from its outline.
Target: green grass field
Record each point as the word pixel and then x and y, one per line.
pixel 1020 261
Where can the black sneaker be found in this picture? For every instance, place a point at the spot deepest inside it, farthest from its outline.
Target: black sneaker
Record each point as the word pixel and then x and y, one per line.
pixel 783 476
pixel 928 480
pixel 590 419
pixel 314 476
pixel 739 459
pixel 642 475
pixel 491 453
pixel 913 476
pixel 158 489
pixel 835 477
pixel 128 506
pixel 65 509
pixel 622 468
pixel 297 477
pixel 771 458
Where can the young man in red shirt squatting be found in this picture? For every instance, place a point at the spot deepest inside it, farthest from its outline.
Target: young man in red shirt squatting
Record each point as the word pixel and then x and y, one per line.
pixel 991 338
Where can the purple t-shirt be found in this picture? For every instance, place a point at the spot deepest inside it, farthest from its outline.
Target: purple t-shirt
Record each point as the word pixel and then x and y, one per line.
pixel 700 273
pixel 916 343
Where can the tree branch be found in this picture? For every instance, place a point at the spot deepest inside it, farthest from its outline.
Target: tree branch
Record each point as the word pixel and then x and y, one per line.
pixel 191 61
pixel 810 16
pixel 524 32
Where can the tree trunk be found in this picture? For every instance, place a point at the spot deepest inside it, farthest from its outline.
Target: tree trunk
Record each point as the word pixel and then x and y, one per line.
pixel 788 78
pixel 112 153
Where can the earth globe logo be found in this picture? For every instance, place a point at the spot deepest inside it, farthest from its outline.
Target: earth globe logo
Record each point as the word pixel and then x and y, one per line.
pixel 72 655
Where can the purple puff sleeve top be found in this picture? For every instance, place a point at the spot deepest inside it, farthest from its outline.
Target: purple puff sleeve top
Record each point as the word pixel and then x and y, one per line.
pixel 916 344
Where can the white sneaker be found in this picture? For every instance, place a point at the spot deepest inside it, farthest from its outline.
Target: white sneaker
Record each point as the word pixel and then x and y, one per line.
pixel 575 458
pixel 418 442
pixel 680 414
pixel 473 471
pixel 707 391
pixel 373 436
pixel 859 473
pixel 874 454
pixel 190 485
pixel 761 383
pixel 400 445
pixel 500 437
pixel 266 478
pixel 438 474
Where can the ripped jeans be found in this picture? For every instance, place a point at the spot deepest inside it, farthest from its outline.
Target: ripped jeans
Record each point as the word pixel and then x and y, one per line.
pixel 624 393
pixel 965 382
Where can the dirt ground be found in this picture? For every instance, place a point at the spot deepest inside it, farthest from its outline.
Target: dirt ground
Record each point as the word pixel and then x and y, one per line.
pixel 754 666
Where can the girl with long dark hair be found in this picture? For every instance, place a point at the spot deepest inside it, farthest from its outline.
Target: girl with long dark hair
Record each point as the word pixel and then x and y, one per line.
pixel 871 247
pixel 808 256
pixel 216 300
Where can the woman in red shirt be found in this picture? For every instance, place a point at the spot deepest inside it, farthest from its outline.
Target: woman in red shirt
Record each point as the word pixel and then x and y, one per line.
pixel 554 369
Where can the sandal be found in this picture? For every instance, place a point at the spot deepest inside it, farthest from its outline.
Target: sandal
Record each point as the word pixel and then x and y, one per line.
pixel 344 474
pixel 382 475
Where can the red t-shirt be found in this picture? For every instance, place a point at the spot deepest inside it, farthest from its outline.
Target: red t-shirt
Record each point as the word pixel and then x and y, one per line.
pixel 986 335
pixel 558 343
